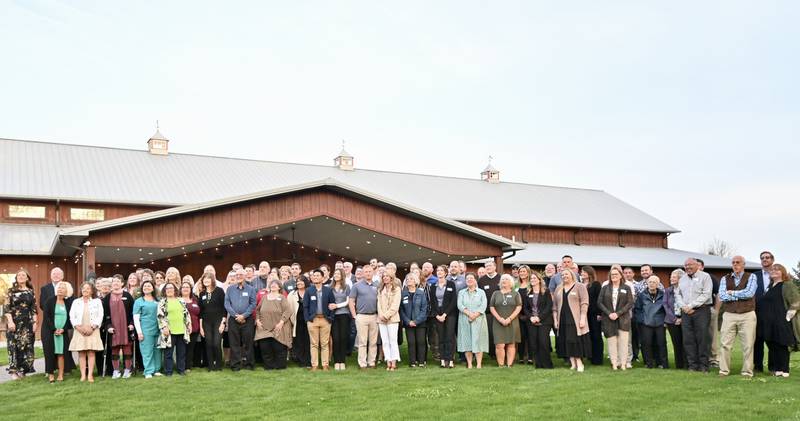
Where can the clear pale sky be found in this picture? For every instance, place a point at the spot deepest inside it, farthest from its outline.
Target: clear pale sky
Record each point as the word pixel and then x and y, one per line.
pixel 688 110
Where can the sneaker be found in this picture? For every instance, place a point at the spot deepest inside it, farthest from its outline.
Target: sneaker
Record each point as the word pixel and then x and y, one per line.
pixel 158 374
pixel 126 374
pixel 116 374
pixel 148 376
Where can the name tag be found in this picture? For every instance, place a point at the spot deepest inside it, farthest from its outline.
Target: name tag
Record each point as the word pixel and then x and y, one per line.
pixel 205 297
pixel 508 296
pixel 405 300
pixel 290 288
pixel 124 298
pixel 278 299
pixel 530 295
pixel 623 291
pixel 313 298
pixel 450 289
pixel 194 305
pixel 244 294
pixel 573 293
pixel 486 287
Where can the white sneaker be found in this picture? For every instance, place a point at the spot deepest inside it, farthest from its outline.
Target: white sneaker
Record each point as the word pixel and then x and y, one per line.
pixel 126 374
pixel 580 369
pixel 148 376
pixel 158 374
pixel 116 374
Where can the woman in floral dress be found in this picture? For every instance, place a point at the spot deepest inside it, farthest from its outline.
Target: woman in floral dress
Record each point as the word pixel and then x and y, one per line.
pixel 20 314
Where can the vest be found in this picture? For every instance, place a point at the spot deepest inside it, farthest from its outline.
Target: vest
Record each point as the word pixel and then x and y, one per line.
pixel 741 306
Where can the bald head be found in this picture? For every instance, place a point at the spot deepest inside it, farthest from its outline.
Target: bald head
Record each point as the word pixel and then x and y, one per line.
pixel 738 264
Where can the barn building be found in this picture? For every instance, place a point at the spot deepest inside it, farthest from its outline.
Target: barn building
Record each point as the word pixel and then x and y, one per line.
pixel 114 209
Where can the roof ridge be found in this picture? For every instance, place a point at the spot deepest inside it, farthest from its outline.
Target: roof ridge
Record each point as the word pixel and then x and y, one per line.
pixel 302 164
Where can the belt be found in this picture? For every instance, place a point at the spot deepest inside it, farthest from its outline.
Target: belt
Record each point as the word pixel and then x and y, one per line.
pixel 368 314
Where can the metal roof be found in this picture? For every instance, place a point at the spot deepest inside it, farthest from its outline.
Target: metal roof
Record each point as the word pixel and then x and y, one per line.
pixel 540 254
pixel 26 239
pixel 40 170
pixel 84 230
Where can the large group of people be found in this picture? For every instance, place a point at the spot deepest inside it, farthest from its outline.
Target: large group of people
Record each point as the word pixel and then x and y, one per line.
pixel 160 324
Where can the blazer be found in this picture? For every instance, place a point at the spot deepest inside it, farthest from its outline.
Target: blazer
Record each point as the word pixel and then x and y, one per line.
pixel 759 288
pixel 95 312
pixel 449 300
pixel 49 315
pixel 625 302
pixel 45 293
pixel 310 303
pixel 672 311
pixel 415 310
pixel 544 303
pixel 127 301
pixel 577 304
pixel 294 303
pixel 389 305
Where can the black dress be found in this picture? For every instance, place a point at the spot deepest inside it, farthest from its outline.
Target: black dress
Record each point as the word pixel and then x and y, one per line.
pixel 772 318
pixel 301 345
pixel 595 328
pixel 568 343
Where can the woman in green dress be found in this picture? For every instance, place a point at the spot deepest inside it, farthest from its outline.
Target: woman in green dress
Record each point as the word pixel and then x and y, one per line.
pixel 473 333
pixel 505 306
pixel 55 322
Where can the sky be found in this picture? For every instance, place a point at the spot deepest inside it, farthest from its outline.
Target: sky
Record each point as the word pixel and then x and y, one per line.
pixel 687 110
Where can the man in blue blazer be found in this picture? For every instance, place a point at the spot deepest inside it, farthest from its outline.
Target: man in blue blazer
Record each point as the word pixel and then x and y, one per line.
pixel 318 305
pixel 762 278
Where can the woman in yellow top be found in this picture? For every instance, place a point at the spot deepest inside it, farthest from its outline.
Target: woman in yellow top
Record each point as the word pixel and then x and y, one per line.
pixel 389 318
pixel 176 328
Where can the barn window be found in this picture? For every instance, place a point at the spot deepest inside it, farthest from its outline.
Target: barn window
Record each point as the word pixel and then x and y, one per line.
pixel 26 211
pixel 85 214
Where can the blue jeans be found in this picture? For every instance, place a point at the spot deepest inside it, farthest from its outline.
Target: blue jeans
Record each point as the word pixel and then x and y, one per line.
pixel 179 348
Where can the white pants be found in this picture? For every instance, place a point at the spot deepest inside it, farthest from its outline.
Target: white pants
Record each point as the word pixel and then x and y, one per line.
pixel 391 351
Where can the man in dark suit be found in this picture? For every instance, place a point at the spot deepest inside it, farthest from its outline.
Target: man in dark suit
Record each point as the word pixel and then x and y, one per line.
pixel 763 282
pixel 49 290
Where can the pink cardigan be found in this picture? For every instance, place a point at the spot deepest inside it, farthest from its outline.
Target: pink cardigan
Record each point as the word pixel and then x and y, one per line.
pixel 578 300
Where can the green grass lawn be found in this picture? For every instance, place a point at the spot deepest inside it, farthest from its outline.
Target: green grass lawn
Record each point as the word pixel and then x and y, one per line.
pixel 431 393
pixel 4 355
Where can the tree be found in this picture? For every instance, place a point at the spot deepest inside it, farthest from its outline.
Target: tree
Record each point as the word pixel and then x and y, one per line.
pixel 796 275
pixel 719 248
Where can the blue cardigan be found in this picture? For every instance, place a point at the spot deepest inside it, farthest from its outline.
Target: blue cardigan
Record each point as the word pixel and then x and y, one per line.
pixel 416 309
pixel 310 303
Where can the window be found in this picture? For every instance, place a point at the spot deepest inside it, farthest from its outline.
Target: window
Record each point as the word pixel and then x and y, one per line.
pixel 26 211
pixel 83 214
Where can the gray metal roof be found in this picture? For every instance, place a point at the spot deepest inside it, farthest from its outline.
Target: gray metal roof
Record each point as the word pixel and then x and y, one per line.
pixel 40 170
pixel 27 239
pixel 540 254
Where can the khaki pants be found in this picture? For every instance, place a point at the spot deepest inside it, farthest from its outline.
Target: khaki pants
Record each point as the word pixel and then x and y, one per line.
pixel 367 339
pixel 713 332
pixel 744 326
pixel 618 348
pixel 319 332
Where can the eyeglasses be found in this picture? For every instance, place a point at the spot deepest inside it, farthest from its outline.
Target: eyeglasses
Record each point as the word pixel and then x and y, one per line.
pixel 737 261
pixel 766 257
